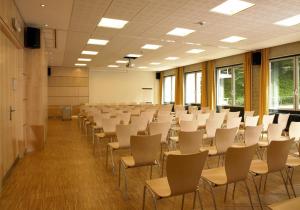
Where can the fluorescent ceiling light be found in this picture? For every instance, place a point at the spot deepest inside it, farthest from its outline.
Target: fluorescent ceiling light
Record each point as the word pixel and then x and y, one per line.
pixel 171 58
pixel 98 41
pixel 142 67
pixel 233 39
pixel 112 23
pixel 113 66
pixel 121 61
pixel 231 7
pixel 195 51
pixel 80 64
pixel 291 21
pixel 85 52
pixel 180 32
pixel 134 55
pixel 154 63
pixel 151 46
pixel 84 59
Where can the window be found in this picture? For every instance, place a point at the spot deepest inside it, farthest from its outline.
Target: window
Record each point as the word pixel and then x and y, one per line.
pixel 230 86
pixel 169 89
pixel 193 87
pixel 284 83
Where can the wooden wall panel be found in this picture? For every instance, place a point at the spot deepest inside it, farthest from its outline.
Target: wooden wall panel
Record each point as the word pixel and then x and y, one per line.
pixel 67 86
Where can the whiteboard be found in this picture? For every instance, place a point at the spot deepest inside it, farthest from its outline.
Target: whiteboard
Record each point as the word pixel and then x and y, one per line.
pixel 147 95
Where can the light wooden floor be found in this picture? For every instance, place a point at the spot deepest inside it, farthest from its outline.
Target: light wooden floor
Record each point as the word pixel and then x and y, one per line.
pixel 67 175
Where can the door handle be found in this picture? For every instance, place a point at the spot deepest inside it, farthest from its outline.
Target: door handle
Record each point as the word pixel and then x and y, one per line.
pixel 11 110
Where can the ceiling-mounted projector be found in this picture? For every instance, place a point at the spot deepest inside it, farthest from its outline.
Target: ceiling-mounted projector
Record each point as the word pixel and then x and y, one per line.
pixel 130 59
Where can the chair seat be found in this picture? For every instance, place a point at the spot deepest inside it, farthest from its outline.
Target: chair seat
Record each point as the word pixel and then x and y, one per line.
pixel 259 167
pixel 216 176
pixel 174 138
pixel 239 145
pixel 114 145
pixel 212 150
pixel 263 143
pixel 128 161
pixel 175 152
pixel 286 205
pixel 100 135
pixel 293 161
pixel 205 136
pixel 160 187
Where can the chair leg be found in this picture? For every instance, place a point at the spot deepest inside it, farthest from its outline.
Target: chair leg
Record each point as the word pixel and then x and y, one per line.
pixel 194 200
pixel 212 194
pixel 144 197
pixel 257 192
pixel 120 174
pixel 151 171
pixel 290 178
pixel 233 191
pixel 265 184
pixel 182 201
pixel 162 166
pixel 225 195
pixel 154 200
pixel 125 179
pixel 285 184
pixel 249 194
pixel 112 160
pixel 200 200
pixel 106 159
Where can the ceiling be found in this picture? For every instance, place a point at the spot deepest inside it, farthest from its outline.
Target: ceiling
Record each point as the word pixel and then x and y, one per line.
pixel 75 21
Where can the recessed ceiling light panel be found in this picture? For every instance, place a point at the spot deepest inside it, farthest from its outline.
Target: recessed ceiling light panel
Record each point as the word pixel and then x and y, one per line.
pixel 180 32
pixel 121 61
pixel 154 63
pixel 133 55
pixel 113 66
pixel 80 64
pixel 86 52
pixel 151 46
pixel 231 7
pixel 195 51
pixel 233 39
pixel 112 23
pixel 171 58
pixel 142 67
pixel 291 21
pixel 84 59
pixel 97 41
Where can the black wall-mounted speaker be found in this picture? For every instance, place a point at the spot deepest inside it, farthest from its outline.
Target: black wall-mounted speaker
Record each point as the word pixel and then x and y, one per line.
pixel 49 72
pixel 256 58
pixel 157 75
pixel 32 38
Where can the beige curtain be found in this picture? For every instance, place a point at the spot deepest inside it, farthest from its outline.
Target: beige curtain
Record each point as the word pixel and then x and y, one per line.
pixel 247 80
pixel 204 84
pixel 211 87
pixel 179 86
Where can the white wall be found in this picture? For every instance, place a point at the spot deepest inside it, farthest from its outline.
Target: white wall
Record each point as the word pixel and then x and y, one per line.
pixel 116 87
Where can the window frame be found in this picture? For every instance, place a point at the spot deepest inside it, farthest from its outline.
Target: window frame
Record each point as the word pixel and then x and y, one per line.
pixel 185 83
pixel 296 80
pixel 233 85
pixel 172 86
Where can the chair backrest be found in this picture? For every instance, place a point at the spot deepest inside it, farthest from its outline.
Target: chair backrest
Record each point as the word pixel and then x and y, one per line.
pixel 201 118
pixel 248 114
pixel 190 142
pixel 135 112
pixel 178 113
pixel 192 109
pixel 252 134
pixel 233 122
pixel 98 119
pixel 163 112
pixel 218 116
pixel 160 128
pixel 277 154
pixel 188 126
pixel 267 120
pixel 205 109
pixel 225 139
pixel 145 149
pixel 125 118
pixel 211 127
pixel 109 125
pixel 283 120
pixel 186 117
pixel 178 107
pixel 165 118
pixel 184 172
pixel 231 115
pixel 140 122
pixel 148 114
pixel 294 130
pixel 237 162
pixel 274 132
pixel 251 121
pixel 123 134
